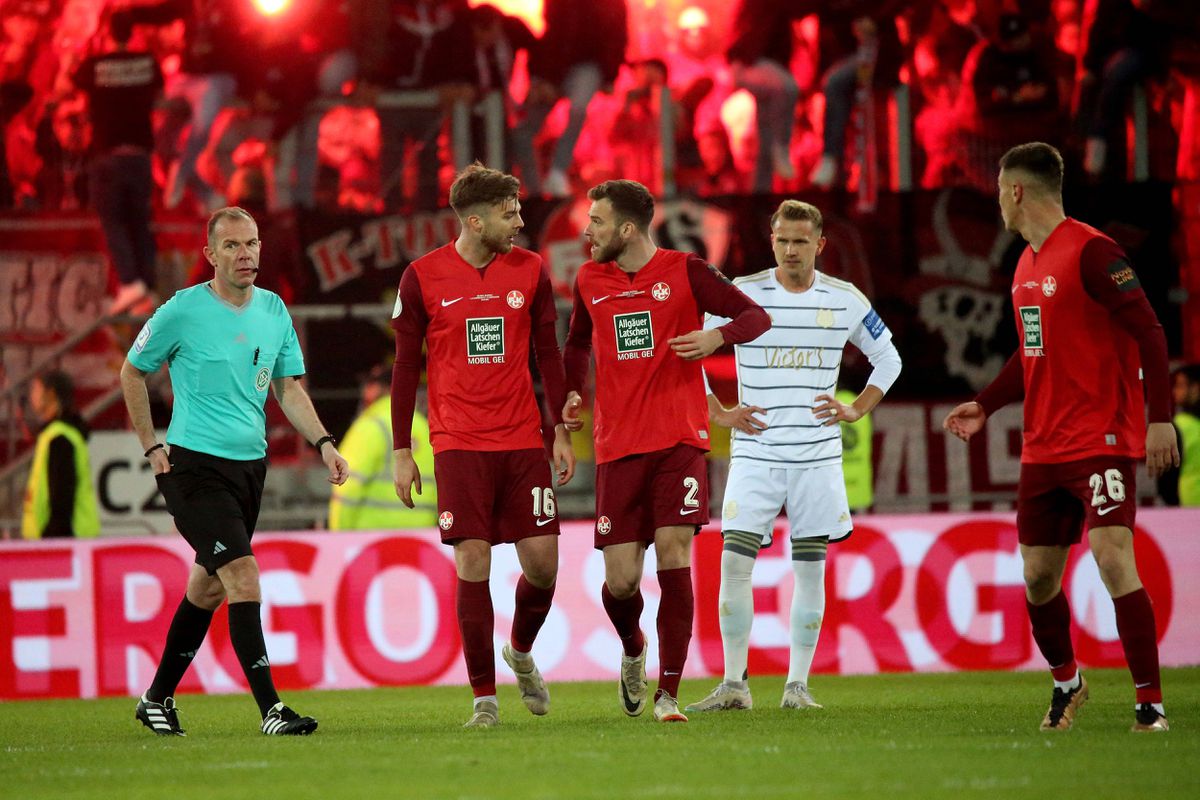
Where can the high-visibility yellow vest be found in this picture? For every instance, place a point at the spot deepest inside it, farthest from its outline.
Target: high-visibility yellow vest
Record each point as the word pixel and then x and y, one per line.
pixel 856 458
pixel 1189 470
pixel 85 519
pixel 367 500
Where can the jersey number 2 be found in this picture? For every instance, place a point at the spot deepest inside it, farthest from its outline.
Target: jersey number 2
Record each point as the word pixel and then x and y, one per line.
pixel 693 486
pixel 1110 481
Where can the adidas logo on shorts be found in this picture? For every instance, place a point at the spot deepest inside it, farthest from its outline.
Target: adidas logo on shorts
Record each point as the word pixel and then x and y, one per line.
pixel 220 548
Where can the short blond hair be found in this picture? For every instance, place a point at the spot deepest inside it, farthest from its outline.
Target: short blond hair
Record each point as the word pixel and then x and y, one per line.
pixel 798 211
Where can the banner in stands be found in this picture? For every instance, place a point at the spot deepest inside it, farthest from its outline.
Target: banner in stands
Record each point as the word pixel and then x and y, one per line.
pixel 55 283
pixel 349 610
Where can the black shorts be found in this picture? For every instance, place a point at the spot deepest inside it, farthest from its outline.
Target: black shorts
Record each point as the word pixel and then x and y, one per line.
pixel 215 503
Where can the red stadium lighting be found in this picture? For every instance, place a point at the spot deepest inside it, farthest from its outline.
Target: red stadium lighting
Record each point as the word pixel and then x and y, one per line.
pixel 272 7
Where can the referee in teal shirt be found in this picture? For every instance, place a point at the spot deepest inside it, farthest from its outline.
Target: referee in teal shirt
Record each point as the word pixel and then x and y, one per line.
pixel 224 342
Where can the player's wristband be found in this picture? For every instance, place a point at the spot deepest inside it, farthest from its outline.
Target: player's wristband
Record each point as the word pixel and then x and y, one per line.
pixel 326 438
pixel 157 446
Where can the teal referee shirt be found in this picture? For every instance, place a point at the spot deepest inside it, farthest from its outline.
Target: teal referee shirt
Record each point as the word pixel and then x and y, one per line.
pixel 221 358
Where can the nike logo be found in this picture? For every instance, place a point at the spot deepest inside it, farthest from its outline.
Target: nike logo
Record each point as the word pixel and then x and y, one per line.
pixel 547 521
pixel 669 673
pixel 450 302
pixel 598 299
pixel 631 706
pixel 1141 685
pixel 1103 511
pixel 683 512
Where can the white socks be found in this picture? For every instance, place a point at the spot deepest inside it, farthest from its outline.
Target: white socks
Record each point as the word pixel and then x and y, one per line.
pixel 736 612
pixel 808 609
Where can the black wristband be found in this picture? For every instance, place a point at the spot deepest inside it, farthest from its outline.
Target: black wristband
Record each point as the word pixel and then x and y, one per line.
pixel 158 446
pixel 326 438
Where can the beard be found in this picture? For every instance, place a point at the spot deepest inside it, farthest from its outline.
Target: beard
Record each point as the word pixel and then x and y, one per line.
pixel 604 253
pixel 497 243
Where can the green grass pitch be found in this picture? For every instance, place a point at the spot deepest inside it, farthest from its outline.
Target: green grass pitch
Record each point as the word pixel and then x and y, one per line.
pixel 878 737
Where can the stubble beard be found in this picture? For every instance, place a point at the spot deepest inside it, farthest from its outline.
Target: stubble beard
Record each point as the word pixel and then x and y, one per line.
pixel 609 252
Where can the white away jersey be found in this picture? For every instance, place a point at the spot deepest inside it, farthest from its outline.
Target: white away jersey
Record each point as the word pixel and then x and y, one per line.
pixel 798 358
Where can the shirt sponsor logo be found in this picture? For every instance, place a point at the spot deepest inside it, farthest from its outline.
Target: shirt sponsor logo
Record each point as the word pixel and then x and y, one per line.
pixel 445 520
pixel 660 291
pixel 515 299
pixel 1049 286
pixel 262 379
pixel 485 340
pixel 874 324
pixel 1123 276
pixel 1031 324
pixel 793 357
pixel 144 336
pixel 635 335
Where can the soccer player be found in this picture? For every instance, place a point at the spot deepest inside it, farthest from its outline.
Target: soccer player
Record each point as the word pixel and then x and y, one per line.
pixel 225 342
pixel 639 308
pixel 476 303
pixel 787 445
pixel 1088 335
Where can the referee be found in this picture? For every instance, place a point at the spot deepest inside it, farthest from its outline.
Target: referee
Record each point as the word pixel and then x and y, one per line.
pixel 225 342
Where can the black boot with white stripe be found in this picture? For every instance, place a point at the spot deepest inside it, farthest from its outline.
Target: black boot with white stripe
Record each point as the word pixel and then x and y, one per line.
pixel 282 721
pixel 162 718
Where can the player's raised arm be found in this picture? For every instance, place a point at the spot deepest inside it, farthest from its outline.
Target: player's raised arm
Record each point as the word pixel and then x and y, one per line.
pixel 715 294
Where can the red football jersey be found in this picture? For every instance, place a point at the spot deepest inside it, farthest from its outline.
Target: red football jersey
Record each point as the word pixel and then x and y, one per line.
pixel 476 324
pixel 1083 387
pixel 647 397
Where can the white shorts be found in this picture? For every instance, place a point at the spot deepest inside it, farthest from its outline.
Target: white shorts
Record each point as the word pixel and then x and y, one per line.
pixel 815 500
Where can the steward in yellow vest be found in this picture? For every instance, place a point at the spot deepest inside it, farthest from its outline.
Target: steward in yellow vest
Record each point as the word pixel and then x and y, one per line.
pixel 368 501
pixel 856 459
pixel 59 499
pixel 1188 425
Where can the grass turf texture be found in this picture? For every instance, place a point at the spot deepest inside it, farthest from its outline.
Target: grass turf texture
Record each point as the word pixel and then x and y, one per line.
pixel 886 737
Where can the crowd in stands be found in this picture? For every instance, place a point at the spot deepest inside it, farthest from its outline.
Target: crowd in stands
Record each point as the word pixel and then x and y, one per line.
pixel 311 105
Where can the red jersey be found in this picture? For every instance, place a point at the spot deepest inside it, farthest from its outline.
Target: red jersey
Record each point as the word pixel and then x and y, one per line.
pixel 1081 367
pixel 648 398
pixel 477 324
